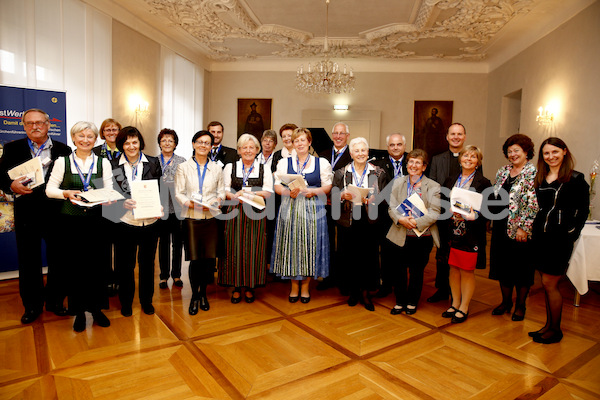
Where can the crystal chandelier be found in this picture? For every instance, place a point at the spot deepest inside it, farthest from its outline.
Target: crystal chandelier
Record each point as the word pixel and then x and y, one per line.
pixel 325 76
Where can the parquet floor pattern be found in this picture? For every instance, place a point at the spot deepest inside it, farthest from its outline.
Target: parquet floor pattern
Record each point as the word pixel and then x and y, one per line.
pixel 272 349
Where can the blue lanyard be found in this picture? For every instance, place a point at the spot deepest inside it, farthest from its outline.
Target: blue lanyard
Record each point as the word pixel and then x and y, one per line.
pixel 411 188
pixel 334 159
pixel 458 182
pixel 162 161
pixel 86 180
pixel 134 168
pixel 109 153
pixel 398 168
pixel 213 155
pixel 264 160
pixel 37 153
pixel 358 182
pixel 301 170
pixel 246 175
pixel 201 176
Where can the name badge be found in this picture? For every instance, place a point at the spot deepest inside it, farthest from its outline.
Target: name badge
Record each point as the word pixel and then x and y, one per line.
pixel 46 161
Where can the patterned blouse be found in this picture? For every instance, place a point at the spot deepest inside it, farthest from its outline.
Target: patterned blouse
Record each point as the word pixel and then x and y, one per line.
pixel 168 177
pixel 522 203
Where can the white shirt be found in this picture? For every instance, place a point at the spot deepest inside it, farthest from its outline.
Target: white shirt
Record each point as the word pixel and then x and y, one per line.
pixel 187 184
pixel 324 170
pixel 53 190
pixel 239 173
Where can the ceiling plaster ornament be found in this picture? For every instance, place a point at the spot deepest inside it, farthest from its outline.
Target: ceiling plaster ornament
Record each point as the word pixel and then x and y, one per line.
pixel 474 22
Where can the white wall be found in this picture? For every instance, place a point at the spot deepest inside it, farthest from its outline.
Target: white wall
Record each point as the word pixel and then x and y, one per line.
pixel 561 69
pixel 391 93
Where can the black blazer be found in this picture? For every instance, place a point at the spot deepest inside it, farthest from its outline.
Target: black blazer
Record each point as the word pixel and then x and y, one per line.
pixel 226 155
pixel 344 160
pixel 17 152
pixel 377 179
pixel 477 227
pixel 442 166
pixel 152 170
pixel 386 165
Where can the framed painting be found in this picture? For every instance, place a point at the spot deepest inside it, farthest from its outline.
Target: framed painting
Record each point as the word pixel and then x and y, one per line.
pixel 254 116
pixel 431 121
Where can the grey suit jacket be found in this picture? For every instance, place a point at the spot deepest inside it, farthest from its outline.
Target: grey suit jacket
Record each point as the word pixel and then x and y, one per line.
pixel 430 194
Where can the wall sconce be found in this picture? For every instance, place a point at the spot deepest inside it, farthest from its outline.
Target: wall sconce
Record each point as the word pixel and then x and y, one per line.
pixel 545 116
pixel 340 107
pixel 141 109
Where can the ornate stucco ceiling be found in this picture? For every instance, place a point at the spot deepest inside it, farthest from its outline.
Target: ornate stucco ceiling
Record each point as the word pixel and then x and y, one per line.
pixel 230 30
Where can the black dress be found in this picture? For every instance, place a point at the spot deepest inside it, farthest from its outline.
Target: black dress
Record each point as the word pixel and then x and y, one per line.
pixel 563 211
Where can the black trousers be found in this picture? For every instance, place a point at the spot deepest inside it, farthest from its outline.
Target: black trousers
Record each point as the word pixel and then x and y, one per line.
pixel 411 260
pixel 135 241
pixel 32 226
pixel 170 235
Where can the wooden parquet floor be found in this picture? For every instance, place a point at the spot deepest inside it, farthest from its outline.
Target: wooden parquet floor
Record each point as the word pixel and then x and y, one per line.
pixel 272 349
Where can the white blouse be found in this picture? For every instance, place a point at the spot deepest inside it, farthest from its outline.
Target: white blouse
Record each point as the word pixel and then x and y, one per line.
pixel 324 170
pixel 187 184
pixel 239 173
pixel 53 190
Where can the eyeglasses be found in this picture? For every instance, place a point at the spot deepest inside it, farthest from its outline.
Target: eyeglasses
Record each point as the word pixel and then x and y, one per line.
pixel 202 143
pixel 166 141
pixel 30 124
pixel 111 130
pixel 340 133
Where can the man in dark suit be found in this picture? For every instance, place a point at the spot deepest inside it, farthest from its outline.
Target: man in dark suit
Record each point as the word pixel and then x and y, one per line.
pixel 394 166
pixel 35 216
pixel 443 166
pixel 220 154
pixel 338 156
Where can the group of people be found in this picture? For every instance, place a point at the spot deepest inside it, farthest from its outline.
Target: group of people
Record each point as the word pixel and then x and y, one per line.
pixel 293 213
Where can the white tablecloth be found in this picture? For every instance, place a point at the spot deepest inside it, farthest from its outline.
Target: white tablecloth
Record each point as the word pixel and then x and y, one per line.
pixel 585 260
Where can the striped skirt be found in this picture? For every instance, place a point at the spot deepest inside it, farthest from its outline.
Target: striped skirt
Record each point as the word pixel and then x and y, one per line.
pixel 301 242
pixel 244 263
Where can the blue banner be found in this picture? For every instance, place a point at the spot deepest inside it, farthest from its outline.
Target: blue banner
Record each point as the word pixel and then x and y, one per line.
pixel 14 101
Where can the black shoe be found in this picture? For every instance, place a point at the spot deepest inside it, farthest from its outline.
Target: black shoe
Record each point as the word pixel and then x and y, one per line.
pixel 163 285
pixel 148 309
pixel 325 284
pixel 520 316
pixel 100 319
pixel 249 299
pixel 396 311
pixel 369 306
pixel 29 316
pixel 440 295
pixel 305 300
pixel 353 300
pixel 178 282
pixel 382 293
pixel 126 311
pixel 411 311
pixel 236 300
pixel 193 310
pixel 449 313
pixel 57 310
pixel 294 299
pixel 536 333
pixel 204 305
pixel 457 319
pixel 80 322
pixel 502 309
pixel 548 338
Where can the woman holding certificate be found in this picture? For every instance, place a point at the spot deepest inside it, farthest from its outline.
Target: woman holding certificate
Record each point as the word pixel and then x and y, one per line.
pixel 510 250
pixel 72 175
pixel 137 235
pixel 414 209
pixel 245 264
pixel 563 196
pixel 467 232
pixel 200 190
pixel 358 182
pixel 301 244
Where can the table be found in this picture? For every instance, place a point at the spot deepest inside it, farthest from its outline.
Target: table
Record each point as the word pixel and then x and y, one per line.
pixel 584 265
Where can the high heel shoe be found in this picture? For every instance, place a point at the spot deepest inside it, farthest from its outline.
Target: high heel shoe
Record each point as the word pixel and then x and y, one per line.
pixel 555 337
pixel 502 309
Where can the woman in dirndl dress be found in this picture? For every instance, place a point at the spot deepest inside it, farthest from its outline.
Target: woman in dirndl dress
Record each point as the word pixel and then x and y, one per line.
pixel 301 244
pixel 245 263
